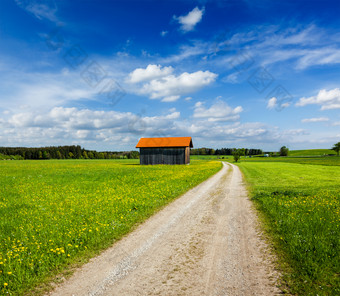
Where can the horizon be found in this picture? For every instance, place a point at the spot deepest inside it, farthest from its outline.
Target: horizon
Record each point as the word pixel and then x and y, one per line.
pixel 257 74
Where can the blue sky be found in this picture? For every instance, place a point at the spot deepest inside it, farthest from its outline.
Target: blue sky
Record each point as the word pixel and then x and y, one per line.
pixel 102 74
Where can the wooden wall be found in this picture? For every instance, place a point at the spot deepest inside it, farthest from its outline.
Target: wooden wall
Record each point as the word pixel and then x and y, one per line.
pixel 165 155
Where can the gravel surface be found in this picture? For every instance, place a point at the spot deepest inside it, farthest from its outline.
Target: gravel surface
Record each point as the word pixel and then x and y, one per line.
pixel 206 242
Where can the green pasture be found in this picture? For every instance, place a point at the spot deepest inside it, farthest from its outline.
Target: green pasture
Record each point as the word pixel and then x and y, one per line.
pixel 58 213
pixel 312 152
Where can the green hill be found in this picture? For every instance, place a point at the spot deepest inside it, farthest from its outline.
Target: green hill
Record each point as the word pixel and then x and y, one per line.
pixel 311 152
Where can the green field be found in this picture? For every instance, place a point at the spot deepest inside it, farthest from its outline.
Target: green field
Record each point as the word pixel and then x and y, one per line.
pixel 300 202
pixel 312 152
pixel 58 213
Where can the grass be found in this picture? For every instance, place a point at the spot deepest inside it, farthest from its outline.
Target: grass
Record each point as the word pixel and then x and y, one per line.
pixel 211 157
pixel 56 213
pixel 312 152
pixel 300 202
pixel 313 160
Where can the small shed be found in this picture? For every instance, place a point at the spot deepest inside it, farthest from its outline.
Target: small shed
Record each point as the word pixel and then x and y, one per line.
pixel 175 150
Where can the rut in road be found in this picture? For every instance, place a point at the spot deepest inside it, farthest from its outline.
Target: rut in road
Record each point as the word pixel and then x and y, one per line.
pixel 204 243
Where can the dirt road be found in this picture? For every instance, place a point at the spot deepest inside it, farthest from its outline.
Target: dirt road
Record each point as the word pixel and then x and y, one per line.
pixel 204 243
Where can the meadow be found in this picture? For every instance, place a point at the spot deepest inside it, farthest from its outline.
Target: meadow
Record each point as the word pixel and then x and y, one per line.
pixel 56 214
pixel 299 202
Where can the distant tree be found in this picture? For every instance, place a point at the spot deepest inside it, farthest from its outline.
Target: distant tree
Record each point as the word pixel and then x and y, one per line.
pixel 85 156
pixel 237 154
pixel 58 155
pixel 70 155
pixel 284 151
pixel 46 155
pixel 336 148
pixel 40 155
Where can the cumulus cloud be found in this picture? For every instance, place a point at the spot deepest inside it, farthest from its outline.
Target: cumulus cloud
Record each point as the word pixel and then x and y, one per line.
pixel 277 104
pixel 271 103
pixel 170 88
pixel 112 130
pixel 220 111
pixel 316 119
pixel 83 126
pixel 149 73
pixel 189 21
pixel 327 99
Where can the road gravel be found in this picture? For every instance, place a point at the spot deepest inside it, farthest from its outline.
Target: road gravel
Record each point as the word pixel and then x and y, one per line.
pixel 206 242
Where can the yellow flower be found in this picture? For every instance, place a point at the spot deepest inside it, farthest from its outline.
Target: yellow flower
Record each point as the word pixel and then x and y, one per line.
pixel 10 272
pixel 5 284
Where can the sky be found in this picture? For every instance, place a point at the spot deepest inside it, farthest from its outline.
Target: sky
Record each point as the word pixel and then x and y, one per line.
pixel 102 74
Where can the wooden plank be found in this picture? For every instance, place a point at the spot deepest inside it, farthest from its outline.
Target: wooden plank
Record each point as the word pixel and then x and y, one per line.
pixel 164 155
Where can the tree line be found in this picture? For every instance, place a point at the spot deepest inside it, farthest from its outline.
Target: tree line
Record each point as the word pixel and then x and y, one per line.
pixel 225 151
pixel 63 152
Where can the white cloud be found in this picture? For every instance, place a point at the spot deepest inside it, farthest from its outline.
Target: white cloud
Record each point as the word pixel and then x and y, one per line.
pixel 275 103
pixel 327 99
pixel 149 73
pixel 41 9
pixel 316 119
pixel 220 111
pixel 231 78
pixel 303 47
pixel 82 126
pixel 189 21
pixel 320 56
pixel 170 99
pixel 163 33
pixel 171 87
pixel 272 103
pixel 187 52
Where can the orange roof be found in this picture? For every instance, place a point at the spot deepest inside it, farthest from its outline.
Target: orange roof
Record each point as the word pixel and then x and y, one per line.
pixel 165 142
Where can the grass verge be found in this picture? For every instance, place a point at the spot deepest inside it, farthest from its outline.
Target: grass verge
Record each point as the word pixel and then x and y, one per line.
pixel 301 204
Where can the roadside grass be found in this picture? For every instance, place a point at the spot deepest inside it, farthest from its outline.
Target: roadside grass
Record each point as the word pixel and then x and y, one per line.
pixel 301 207
pixel 57 213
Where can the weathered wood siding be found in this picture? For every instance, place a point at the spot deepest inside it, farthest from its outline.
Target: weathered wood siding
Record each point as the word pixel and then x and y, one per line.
pixel 165 155
pixel 187 155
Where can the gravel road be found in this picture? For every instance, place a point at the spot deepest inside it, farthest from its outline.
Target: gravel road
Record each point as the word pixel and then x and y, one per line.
pixel 204 243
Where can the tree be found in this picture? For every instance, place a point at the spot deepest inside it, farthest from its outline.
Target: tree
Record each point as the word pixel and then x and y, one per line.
pixel 284 151
pixel 336 148
pixel 58 155
pixel 46 155
pixel 237 154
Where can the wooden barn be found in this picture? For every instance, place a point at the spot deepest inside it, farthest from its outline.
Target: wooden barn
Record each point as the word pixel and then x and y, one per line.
pixel 174 150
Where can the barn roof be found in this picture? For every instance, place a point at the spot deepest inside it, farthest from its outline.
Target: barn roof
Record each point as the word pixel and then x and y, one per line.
pixel 165 142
